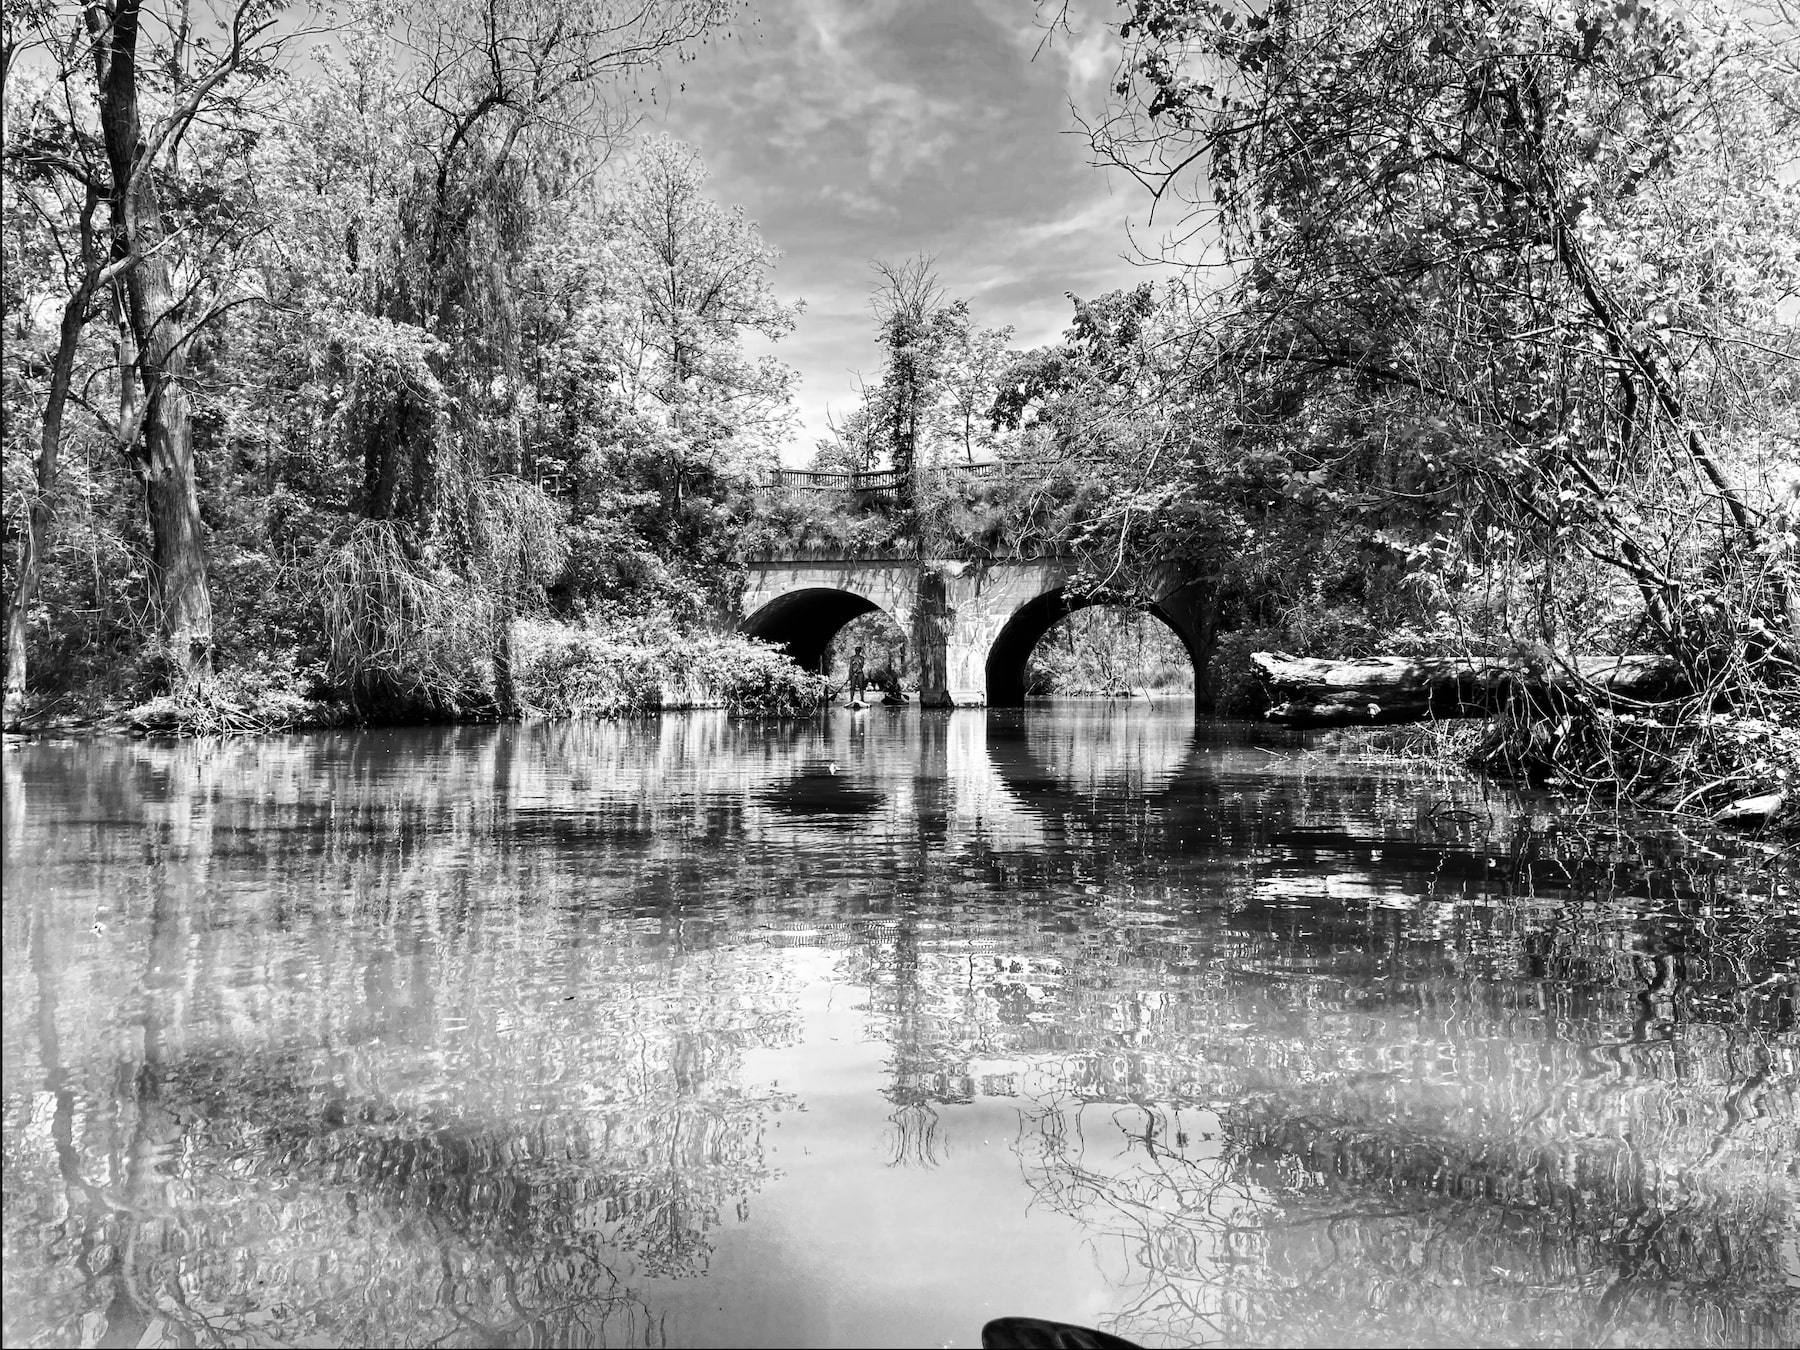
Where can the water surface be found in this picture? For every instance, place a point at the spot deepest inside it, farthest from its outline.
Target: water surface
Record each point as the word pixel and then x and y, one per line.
pixel 693 1032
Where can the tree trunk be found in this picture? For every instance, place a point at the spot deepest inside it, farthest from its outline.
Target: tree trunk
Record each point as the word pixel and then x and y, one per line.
pixel 43 512
pixel 171 497
pixel 177 547
pixel 1376 690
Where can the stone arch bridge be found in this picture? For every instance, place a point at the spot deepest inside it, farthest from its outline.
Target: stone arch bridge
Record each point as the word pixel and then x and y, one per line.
pixel 972 623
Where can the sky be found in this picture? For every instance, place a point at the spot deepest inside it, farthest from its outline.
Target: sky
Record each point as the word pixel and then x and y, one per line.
pixel 852 130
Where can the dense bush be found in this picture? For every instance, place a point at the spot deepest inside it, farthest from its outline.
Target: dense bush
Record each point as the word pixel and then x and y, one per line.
pixel 407 639
pixel 802 520
pixel 561 670
pixel 756 679
pixel 568 671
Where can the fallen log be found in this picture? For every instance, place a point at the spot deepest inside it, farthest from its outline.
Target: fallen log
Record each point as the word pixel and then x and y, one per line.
pixel 1380 690
pixel 1757 810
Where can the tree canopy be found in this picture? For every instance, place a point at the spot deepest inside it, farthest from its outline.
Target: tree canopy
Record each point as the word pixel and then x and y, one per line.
pixel 1491 302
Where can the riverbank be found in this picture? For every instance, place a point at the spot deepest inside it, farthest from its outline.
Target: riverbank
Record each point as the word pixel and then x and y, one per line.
pixel 562 671
pixel 558 670
pixel 1734 772
pixel 1598 729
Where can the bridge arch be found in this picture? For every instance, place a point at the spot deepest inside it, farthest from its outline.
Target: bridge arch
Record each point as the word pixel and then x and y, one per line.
pixel 971 624
pixel 805 620
pixel 1010 651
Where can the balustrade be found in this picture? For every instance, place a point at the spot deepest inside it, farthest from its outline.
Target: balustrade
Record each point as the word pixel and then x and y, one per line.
pixel 884 482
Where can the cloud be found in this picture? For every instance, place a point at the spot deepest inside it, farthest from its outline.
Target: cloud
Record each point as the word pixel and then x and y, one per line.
pixel 1089 55
pixel 1075 37
pixel 862 203
pixel 832 88
pixel 887 128
pixel 1105 213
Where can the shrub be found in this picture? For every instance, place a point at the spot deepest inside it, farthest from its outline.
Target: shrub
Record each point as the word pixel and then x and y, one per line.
pixel 563 671
pixel 756 679
pixel 631 669
pixel 262 694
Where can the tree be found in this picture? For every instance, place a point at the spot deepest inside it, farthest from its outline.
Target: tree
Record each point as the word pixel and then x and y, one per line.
pixel 935 396
pixel 518 102
pixel 389 339
pixel 125 91
pixel 47 188
pixel 915 325
pixel 441 345
pixel 1555 226
pixel 854 442
pixel 697 274
pixel 1529 264
pixel 692 280
pixel 972 366
pixel 661 420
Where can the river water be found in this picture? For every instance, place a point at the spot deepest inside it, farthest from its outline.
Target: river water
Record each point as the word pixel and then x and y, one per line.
pixel 862 1032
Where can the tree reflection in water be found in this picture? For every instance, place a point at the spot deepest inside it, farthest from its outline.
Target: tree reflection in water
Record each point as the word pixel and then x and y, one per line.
pixel 914 1140
pixel 465 1036
pixel 1308 1215
pixel 343 1116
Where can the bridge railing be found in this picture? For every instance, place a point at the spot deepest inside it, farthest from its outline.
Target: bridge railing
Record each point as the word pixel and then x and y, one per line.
pixel 886 482
pixel 837 480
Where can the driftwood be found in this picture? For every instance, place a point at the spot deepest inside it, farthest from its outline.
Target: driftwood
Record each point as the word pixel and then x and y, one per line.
pixel 1377 690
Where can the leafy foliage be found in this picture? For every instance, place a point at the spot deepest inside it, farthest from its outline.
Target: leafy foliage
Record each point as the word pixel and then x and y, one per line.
pixel 462 348
pixel 1485 337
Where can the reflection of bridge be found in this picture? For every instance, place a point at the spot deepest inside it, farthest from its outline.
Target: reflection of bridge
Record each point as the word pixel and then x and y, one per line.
pixel 972 622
